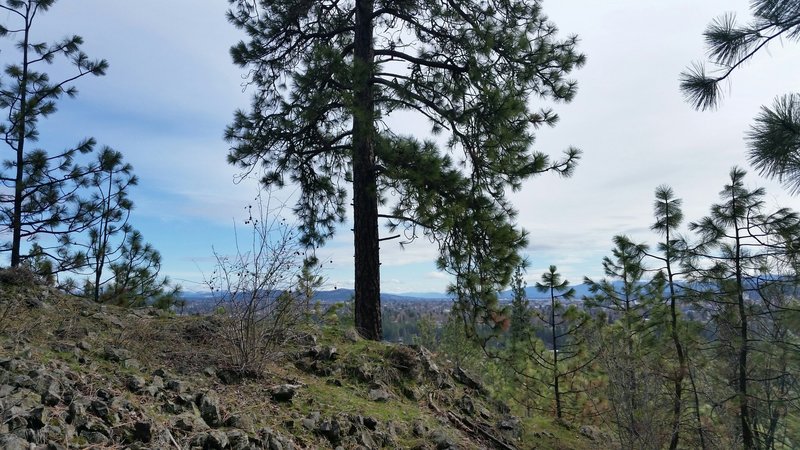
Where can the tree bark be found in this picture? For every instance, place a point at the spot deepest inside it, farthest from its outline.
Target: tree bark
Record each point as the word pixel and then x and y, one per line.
pixel 365 195
pixel 700 432
pixel 103 237
pixel 16 221
pixel 744 408
pixel 677 400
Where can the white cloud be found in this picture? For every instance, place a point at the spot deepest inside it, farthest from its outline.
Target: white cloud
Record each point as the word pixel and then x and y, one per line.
pixel 438 275
pixel 172 89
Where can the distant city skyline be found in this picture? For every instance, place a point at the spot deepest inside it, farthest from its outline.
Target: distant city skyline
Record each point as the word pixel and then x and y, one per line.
pixel 171 89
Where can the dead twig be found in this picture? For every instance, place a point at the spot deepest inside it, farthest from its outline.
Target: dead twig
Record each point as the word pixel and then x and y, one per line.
pixel 473 429
pixel 169 433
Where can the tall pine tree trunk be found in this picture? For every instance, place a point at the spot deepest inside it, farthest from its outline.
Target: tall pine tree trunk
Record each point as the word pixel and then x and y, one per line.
pixel 365 195
pixel 744 407
pixel 16 221
pixel 677 399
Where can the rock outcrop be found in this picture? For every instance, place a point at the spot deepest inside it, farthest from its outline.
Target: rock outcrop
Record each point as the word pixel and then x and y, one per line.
pixel 85 375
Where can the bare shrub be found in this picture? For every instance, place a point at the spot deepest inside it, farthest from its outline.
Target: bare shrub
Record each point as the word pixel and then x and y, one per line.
pixel 636 393
pixel 20 276
pixel 256 289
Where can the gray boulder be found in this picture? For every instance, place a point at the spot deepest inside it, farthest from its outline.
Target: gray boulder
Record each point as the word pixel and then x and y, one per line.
pixel 209 409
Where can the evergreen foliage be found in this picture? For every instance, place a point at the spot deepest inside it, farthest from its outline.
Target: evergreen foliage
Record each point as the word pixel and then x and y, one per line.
pixel 326 76
pixel 629 301
pixel 135 277
pixel 521 314
pixel 45 198
pixel 458 344
pixel 568 348
pixel 71 207
pixel 739 262
pixel 668 217
pixel 623 347
pixel 426 332
pixel 111 185
pixel 544 354
pixel 774 139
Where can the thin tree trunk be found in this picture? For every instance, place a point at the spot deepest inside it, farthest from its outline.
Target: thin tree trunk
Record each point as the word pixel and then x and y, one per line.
pixel 365 195
pixel 677 404
pixel 102 244
pixel 744 408
pixel 555 352
pixel 16 222
pixel 700 431
pixel 633 402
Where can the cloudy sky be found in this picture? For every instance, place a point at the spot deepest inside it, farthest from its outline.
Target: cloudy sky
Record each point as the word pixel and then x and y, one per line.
pixel 171 89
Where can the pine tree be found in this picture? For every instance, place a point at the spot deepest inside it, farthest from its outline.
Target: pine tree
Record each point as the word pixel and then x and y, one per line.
pixel 544 351
pixel 668 215
pixel 557 289
pixel 518 374
pixel 774 139
pixel 326 74
pixel 308 282
pixel 521 326
pixel 135 276
pixel 630 301
pixel 738 244
pixel 108 237
pixel 774 356
pixel 45 198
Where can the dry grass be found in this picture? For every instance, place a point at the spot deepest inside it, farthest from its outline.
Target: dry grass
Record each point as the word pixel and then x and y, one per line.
pixel 185 345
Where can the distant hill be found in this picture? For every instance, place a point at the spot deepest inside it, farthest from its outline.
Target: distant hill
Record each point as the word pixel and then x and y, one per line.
pixel 533 294
pixel 331 296
pixel 341 295
pixel 426 295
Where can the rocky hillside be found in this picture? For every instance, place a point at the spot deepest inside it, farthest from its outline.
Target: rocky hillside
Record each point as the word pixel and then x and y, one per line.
pixel 74 374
